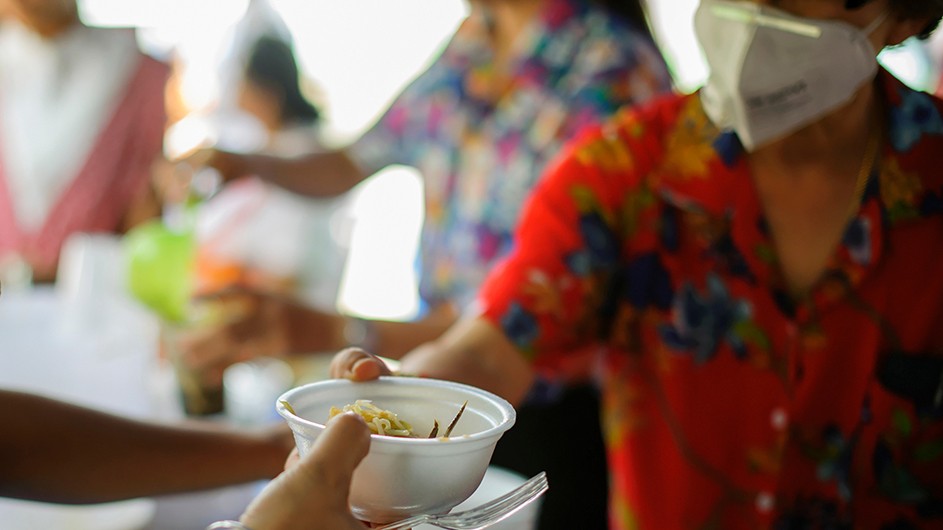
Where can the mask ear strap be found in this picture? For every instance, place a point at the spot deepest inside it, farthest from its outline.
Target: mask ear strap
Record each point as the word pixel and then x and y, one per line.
pixel 869 29
pixel 744 15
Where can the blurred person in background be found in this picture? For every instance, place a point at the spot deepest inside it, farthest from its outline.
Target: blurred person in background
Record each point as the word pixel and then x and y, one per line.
pixel 515 82
pixel 761 262
pixel 517 79
pixel 270 90
pixel 261 21
pixel 81 122
pixel 256 234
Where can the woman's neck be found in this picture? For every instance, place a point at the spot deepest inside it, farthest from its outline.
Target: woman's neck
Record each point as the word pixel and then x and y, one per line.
pixel 811 183
pixel 841 134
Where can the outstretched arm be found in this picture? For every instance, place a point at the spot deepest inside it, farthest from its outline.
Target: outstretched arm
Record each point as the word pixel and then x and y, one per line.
pixel 473 351
pixel 323 174
pixel 57 452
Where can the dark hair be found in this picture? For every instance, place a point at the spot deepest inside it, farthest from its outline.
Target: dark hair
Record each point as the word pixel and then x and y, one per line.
pixel 932 9
pixel 271 65
pixel 910 9
pixel 632 11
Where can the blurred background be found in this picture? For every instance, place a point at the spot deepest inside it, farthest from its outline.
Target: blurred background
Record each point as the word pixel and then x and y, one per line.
pixel 357 254
pixel 355 56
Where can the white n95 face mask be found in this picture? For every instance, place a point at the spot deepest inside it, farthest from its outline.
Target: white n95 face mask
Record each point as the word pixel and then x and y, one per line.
pixel 771 73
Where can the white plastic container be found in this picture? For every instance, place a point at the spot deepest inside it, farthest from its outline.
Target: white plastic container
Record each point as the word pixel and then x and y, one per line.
pixel 401 477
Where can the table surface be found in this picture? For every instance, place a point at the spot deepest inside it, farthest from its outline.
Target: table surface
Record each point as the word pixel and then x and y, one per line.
pixel 104 357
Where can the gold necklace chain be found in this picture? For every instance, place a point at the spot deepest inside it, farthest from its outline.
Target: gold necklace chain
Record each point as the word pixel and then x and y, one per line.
pixel 864 174
pixel 861 184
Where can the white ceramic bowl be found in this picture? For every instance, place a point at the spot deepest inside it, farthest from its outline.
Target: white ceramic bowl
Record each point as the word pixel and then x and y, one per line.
pixel 407 476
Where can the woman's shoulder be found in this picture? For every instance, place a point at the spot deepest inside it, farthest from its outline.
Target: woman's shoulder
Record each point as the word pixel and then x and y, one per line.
pixel 911 183
pixel 649 123
pixel 634 141
pixel 608 46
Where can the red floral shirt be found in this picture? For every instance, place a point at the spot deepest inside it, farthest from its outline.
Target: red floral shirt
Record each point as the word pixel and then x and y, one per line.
pixel 726 403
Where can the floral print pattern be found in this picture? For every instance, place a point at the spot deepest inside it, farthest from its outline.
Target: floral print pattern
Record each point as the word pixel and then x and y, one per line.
pixel 915 116
pixel 727 402
pixel 481 137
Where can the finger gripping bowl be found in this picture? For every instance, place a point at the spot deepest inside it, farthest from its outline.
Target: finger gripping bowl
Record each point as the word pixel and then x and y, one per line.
pixel 401 477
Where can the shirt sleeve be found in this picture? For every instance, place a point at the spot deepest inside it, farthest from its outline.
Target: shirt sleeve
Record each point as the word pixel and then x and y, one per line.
pixel 549 295
pixel 382 144
pixel 414 118
pixel 614 66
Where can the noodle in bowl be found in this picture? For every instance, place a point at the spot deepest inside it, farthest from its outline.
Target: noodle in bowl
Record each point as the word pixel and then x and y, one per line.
pixel 404 476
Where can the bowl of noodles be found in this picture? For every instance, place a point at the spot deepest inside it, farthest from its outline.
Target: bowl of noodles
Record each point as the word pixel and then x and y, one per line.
pixel 431 445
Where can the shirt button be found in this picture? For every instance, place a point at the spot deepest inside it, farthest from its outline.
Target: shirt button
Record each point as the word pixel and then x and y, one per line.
pixel 778 419
pixel 765 502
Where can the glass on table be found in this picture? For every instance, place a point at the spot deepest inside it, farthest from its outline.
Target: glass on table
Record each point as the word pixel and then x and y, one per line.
pixel 200 395
pixel 200 382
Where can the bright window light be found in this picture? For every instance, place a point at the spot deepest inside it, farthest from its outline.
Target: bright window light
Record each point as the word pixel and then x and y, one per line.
pixel 673 24
pixel 912 64
pixel 181 14
pixel 380 278
pixel 358 54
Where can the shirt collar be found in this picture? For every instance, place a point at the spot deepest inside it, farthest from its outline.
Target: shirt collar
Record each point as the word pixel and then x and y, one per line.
pixel 705 172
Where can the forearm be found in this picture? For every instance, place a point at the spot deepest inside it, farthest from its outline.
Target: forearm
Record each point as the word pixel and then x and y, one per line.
pixel 56 452
pixel 325 174
pixel 476 353
pixel 395 339
pixel 311 330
